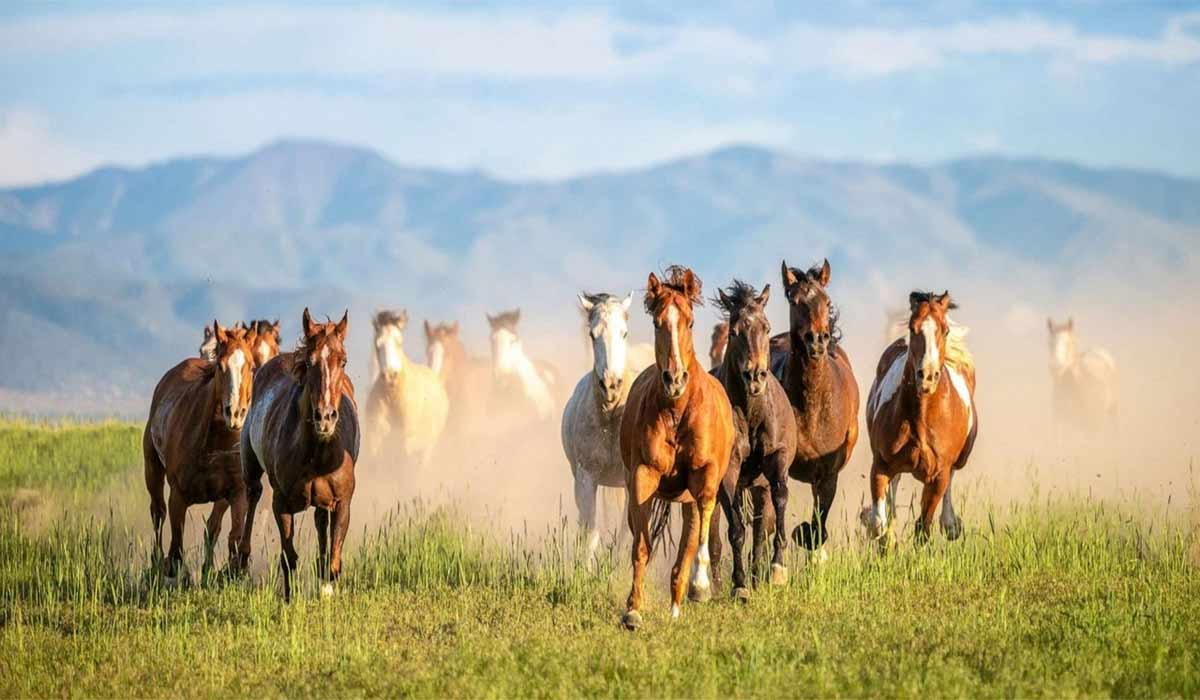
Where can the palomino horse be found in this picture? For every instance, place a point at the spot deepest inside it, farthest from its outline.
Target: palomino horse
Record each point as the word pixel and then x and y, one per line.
pixel 265 343
pixel 515 372
pixel 764 445
pixel 676 438
pixel 303 432
pixel 1084 383
pixel 921 416
pixel 816 373
pixel 407 399
pixel 591 421
pixel 191 442
pixel 468 380
pixel 716 348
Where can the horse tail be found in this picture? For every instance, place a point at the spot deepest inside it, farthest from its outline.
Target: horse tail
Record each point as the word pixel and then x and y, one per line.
pixel 660 522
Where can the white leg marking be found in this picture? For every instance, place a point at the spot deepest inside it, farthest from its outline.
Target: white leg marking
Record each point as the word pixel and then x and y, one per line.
pixel 700 578
pixel 674 612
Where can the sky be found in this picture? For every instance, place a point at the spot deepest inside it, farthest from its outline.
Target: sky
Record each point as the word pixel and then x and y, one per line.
pixel 550 90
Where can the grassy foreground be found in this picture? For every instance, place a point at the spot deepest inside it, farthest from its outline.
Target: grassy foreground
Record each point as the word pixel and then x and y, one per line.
pixel 1057 600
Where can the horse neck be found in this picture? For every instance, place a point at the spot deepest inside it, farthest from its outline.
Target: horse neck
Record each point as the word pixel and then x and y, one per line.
pixel 735 384
pixel 307 441
pixel 809 379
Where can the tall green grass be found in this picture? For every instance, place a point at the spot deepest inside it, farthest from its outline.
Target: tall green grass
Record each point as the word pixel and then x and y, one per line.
pixel 66 454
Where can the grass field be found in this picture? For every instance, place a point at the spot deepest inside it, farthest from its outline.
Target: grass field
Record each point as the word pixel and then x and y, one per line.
pixel 1044 598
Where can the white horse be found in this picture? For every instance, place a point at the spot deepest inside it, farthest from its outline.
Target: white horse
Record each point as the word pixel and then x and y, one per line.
pixel 407 399
pixel 1084 383
pixel 591 422
pixel 513 370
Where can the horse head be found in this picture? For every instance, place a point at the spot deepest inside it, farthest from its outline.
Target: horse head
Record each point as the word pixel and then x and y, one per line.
pixel 264 340
pixel 669 303
pixel 389 341
pixel 928 327
pixel 506 345
pixel 234 364
pixel 813 320
pixel 1063 348
pixel 438 341
pixel 321 366
pixel 608 331
pixel 747 352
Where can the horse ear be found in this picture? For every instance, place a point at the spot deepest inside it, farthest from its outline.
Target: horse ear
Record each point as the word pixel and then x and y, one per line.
pixel 943 300
pixel 652 284
pixel 343 324
pixel 764 295
pixel 789 277
pixel 220 333
pixel 275 326
pixel 691 285
pixel 914 300
pixel 585 303
pixel 310 328
pixel 208 333
pixel 627 301
pixel 428 330
pixel 823 274
pixel 491 320
pixel 402 319
pixel 723 298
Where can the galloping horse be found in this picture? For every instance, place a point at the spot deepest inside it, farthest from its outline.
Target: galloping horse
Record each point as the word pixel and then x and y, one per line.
pixel 468 380
pixel 191 442
pixel 592 418
pixel 515 372
pixel 1084 383
pixel 816 374
pixel 265 340
pixel 303 432
pixel 921 416
pixel 676 438
pixel 407 399
pixel 716 348
pixel 764 446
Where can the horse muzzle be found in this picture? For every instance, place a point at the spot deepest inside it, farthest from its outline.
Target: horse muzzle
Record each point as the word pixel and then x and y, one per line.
pixel 674 384
pixel 235 418
pixel 756 381
pixel 929 380
pixel 325 423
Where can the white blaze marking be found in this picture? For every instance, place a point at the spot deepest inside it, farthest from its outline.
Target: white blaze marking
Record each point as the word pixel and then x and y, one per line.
pixel 236 362
pixel 325 375
pixel 610 347
pixel 673 329
pixel 437 355
pixel 388 346
pixel 931 361
pixel 886 389
pixel 964 393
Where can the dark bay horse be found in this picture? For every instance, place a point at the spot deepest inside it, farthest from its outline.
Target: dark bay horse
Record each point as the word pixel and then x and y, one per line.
pixel 764 445
pixel 921 416
pixel 676 437
pixel 303 432
pixel 816 374
pixel 191 443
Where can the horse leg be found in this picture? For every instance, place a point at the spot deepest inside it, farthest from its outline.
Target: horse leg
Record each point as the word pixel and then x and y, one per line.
pixel 779 499
pixel 237 523
pixel 703 485
pixel 700 588
pixel 321 521
pixel 177 510
pixel 341 526
pixel 758 551
pixel 812 535
pixel 287 556
pixel 952 525
pixel 715 548
pixel 877 517
pixel 735 512
pixel 212 531
pixel 643 482
pixel 156 475
pixel 585 502
pixel 933 491
pixel 252 474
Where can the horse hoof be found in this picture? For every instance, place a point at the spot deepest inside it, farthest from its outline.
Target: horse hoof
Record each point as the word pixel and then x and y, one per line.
pixel 818 556
pixel 327 590
pixel 172 582
pixel 741 594
pixel 953 529
pixel 779 575
pixel 700 595
pixel 631 620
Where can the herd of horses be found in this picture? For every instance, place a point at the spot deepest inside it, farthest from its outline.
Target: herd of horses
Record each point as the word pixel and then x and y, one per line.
pixel 647 425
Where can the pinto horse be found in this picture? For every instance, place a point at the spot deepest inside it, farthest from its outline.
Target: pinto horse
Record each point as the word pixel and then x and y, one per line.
pixel 921 417
pixel 764 446
pixel 592 418
pixel 676 438
pixel 303 432
pixel 407 399
pixel 191 443
pixel 819 381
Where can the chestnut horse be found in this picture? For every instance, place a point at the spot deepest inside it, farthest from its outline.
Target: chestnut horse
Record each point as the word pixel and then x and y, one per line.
pixel 303 432
pixel 468 380
pixel 191 442
pixel 921 416
pixel 816 373
pixel 676 439
pixel 765 440
pixel 716 347
pixel 265 340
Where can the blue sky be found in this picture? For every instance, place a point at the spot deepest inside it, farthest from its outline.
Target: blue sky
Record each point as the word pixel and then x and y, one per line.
pixel 543 90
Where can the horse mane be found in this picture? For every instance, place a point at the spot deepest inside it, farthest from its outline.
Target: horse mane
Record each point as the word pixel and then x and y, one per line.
pixel 387 317
pixel 737 295
pixel 507 319
pixel 261 325
pixel 673 279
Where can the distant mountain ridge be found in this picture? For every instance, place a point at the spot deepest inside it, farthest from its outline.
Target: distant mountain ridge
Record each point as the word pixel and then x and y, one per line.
pixel 110 275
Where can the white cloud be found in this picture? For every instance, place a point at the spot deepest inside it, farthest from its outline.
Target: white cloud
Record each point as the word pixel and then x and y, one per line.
pixel 29 152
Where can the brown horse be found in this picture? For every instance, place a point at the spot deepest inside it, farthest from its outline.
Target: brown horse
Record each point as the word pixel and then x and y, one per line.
pixel 265 340
pixel 191 442
pixel 816 373
pixel 921 416
pixel 676 439
pixel 303 432
pixel 716 348
pixel 765 441
pixel 467 380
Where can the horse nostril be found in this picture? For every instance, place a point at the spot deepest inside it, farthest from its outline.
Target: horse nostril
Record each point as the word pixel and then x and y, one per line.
pixel 666 377
pixel 684 376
